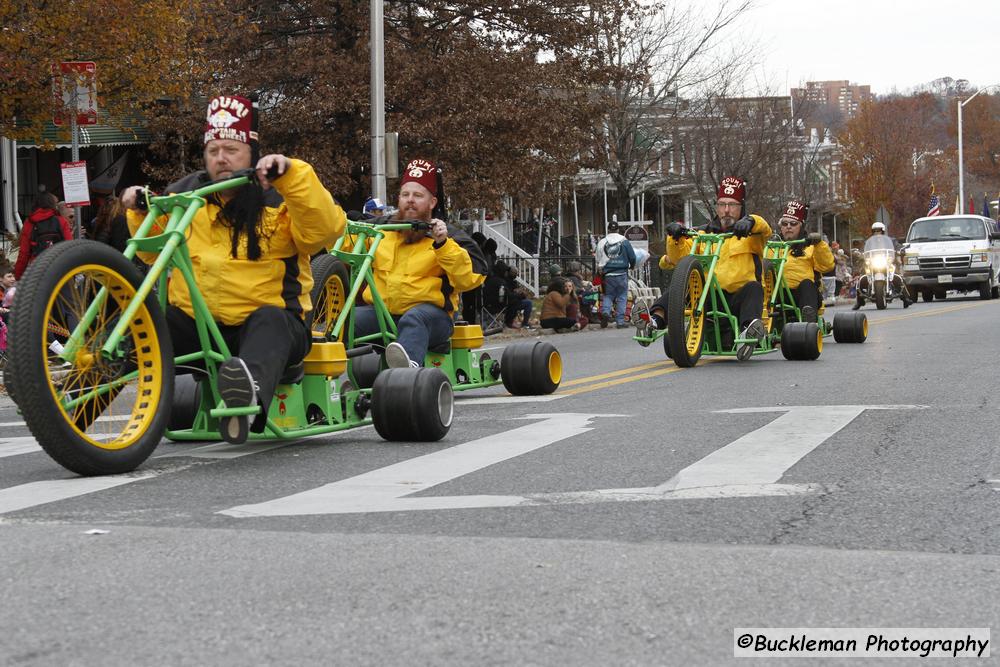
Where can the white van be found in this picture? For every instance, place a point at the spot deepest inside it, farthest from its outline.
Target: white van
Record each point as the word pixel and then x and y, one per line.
pixel 952 252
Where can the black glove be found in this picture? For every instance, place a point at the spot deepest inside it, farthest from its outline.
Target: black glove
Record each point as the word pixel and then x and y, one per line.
pixel 676 230
pixel 743 227
pixel 813 238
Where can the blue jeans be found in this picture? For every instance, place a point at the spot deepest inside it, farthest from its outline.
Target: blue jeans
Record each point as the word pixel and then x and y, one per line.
pixel 420 327
pixel 615 290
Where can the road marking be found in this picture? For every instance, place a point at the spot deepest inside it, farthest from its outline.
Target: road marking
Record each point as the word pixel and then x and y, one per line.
pixel 20 445
pixel 750 466
pixel 604 376
pixel 40 493
pixel 385 489
pixel 926 313
pixel 633 378
pixel 117 418
pixel 225 451
pixel 490 400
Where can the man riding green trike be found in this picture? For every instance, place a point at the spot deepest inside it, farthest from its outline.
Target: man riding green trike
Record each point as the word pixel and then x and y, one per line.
pixel 227 297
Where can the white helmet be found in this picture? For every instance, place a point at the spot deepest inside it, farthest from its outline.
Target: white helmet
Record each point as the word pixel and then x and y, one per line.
pixel 878 227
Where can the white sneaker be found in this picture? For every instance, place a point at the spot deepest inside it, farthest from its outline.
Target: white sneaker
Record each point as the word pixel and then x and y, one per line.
pixel 396 357
pixel 754 331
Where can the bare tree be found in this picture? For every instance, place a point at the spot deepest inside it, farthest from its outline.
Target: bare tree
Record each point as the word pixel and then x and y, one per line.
pixel 653 55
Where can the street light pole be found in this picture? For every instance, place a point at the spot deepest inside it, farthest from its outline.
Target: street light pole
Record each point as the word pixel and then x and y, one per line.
pixel 961 170
pixel 378 101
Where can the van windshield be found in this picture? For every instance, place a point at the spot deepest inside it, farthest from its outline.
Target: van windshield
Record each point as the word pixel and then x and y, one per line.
pixel 946 230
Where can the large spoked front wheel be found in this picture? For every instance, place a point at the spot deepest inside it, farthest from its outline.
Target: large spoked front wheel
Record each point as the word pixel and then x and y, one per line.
pixel 95 414
pixel 329 294
pixel 685 327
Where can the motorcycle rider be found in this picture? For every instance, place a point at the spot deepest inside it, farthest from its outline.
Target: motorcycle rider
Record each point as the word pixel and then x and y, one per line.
pixel 740 263
pixel 897 280
pixel 806 262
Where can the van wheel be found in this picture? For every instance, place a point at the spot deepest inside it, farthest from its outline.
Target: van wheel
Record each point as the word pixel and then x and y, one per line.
pixel 985 291
pixel 927 294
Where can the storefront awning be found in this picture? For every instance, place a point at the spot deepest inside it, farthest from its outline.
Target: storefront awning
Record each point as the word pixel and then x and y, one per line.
pixel 118 132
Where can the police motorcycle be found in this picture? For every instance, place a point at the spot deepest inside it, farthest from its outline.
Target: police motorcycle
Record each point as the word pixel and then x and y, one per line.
pixel 880 281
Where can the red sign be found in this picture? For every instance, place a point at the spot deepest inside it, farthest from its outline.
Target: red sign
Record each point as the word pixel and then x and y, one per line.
pixel 74 87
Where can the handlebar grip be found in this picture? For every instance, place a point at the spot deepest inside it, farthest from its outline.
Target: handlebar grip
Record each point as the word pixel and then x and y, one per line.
pixel 141 203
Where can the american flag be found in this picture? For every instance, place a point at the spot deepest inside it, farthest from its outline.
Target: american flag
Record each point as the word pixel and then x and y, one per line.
pixel 935 208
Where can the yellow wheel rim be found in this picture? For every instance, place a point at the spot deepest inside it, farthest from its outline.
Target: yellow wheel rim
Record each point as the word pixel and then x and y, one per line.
pixel 694 325
pixel 120 411
pixel 864 327
pixel 328 307
pixel 555 367
pixel 768 285
pixel 819 341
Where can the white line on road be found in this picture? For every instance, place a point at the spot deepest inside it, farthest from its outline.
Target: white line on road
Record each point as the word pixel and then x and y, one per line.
pixel 493 400
pixel 20 445
pixel 747 467
pixel 224 450
pixel 383 490
pixel 49 491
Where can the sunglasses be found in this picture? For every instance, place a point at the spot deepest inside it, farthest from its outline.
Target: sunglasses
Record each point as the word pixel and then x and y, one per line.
pixel 794 223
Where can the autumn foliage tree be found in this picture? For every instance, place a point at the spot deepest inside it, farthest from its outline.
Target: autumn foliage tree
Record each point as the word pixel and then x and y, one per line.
pixel 143 50
pixel 495 93
pixel 880 144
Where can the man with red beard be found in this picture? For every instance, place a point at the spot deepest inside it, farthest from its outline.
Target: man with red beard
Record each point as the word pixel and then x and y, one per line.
pixel 420 274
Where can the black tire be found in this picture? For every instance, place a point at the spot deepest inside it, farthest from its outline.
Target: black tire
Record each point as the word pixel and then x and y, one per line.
pixel 879 294
pixel 985 293
pixel 329 294
pixel 185 404
pixel 801 341
pixel 850 327
pixel 412 404
pixel 54 292
pixel 531 368
pixel 686 333
pixel 927 295
pixel 941 295
pixel 365 369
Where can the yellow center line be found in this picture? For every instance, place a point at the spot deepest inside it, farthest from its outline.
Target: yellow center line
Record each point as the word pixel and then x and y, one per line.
pixel 633 378
pixel 926 313
pixel 624 371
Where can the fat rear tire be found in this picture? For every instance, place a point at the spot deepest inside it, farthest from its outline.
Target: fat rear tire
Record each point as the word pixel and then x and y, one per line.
pixel 412 404
pixel 850 327
pixel 531 368
pixel 801 341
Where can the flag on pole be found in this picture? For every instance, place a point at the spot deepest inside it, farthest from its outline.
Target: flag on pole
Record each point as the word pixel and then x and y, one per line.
pixel 972 206
pixel 986 207
pixel 935 207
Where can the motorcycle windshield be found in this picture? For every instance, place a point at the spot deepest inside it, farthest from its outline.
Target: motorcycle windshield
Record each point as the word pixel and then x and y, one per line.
pixel 878 242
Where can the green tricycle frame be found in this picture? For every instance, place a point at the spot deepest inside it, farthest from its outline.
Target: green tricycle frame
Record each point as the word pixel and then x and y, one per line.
pixel 532 368
pixel 697 303
pixel 781 307
pixel 92 367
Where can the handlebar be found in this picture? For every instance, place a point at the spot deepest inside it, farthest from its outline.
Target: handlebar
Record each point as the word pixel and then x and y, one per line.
pixel 238 178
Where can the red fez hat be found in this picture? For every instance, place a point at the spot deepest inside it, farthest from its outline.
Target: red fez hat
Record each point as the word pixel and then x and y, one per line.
pixel 422 172
pixel 231 117
pixel 733 188
pixel 795 209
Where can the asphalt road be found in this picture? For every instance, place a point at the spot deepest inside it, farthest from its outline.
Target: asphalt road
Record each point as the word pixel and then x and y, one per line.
pixel 636 518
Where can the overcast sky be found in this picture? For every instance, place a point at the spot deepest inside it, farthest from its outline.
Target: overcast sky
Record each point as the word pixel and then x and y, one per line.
pixel 883 43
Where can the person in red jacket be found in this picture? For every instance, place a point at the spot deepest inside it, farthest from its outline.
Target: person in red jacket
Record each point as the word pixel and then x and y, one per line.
pixel 43 229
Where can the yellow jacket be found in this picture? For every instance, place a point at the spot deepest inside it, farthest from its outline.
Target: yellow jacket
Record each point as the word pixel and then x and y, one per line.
pixel 408 274
pixel 815 259
pixel 300 219
pixel 737 265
